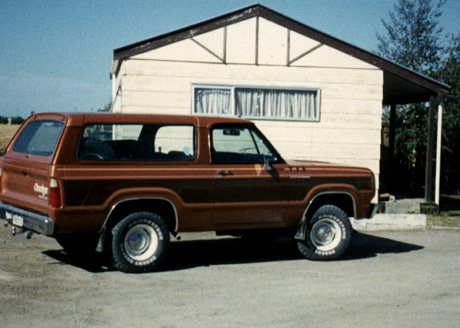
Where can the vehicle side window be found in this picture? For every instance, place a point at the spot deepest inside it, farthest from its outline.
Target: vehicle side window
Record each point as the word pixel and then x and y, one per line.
pixel 141 142
pixel 175 140
pixel 238 145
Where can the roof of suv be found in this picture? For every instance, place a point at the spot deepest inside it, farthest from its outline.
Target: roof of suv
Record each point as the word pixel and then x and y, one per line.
pixel 78 119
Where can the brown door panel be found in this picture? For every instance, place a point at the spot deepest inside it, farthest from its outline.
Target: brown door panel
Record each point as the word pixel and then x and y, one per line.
pixel 249 213
pixel 249 194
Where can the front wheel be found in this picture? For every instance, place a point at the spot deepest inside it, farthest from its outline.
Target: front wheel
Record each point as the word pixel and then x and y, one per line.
pixel 328 234
pixel 139 243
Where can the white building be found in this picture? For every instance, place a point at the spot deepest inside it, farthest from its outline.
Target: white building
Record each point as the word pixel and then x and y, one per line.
pixel 314 96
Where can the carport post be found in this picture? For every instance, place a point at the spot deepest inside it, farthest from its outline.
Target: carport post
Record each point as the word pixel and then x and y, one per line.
pixel 430 153
pixel 438 155
pixel 391 142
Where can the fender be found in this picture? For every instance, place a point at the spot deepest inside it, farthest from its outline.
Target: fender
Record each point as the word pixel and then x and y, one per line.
pixel 333 189
pixel 176 218
pixel 123 195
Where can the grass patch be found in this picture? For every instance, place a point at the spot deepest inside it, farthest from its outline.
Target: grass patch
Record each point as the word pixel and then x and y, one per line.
pixel 6 133
pixel 449 218
pixel 449 212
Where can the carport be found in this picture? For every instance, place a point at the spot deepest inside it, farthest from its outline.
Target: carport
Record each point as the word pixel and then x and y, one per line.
pixel 403 86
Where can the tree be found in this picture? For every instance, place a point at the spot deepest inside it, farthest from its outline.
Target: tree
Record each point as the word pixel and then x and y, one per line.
pixel 17 120
pixel 413 39
pixel 12 120
pixel 450 74
pixel 413 36
pixel 106 108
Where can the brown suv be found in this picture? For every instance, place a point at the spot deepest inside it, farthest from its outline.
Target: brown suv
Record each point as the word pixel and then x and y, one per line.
pixel 121 184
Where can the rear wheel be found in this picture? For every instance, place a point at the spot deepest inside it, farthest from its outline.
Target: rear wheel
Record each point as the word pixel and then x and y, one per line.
pixel 139 243
pixel 328 234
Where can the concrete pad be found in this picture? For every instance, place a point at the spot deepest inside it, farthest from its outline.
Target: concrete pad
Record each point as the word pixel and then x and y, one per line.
pixel 403 207
pixel 391 222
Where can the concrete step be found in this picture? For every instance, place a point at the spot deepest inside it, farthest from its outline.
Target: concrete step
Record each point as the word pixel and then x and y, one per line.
pixel 391 222
pixel 404 206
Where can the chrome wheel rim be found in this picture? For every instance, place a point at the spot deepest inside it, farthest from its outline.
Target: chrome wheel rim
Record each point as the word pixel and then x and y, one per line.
pixel 141 242
pixel 325 235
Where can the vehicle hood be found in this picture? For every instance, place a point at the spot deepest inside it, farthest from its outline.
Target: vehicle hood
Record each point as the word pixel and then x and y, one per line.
pixel 301 165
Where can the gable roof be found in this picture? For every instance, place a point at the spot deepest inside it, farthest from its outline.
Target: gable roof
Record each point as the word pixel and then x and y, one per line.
pixel 401 85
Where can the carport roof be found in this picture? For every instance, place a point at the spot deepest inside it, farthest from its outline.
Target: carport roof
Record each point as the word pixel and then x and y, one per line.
pixel 401 85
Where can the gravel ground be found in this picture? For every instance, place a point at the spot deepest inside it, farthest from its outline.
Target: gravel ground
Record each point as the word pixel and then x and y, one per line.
pixel 401 279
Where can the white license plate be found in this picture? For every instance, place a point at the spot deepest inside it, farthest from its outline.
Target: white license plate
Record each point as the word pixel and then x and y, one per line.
pixel 17 219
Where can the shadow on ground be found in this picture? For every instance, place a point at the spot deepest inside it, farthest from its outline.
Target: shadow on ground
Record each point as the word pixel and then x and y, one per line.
pixel 366 246
pixel 185 255
pixel 94 262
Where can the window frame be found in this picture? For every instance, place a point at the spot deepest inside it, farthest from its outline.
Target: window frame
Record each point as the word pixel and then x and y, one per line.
pixel 233 89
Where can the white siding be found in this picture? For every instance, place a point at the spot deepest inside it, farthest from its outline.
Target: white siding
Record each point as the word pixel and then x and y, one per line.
pixel 241 42
pixel 186 50
pixel 272 44
pixel 321 58
pixel 300 46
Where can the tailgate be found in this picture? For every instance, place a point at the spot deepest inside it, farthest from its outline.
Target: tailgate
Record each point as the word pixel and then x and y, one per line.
pixel 25 183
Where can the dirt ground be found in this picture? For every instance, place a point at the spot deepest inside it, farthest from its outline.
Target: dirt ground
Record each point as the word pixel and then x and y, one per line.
pixel 387 279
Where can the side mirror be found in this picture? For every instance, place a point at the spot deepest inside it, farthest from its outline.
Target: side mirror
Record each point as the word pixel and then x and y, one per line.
pixel 268 163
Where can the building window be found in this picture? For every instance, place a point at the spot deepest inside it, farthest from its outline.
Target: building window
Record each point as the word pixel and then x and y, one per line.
pixel 257 103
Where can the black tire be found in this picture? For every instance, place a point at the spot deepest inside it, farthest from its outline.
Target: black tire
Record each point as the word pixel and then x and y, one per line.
pixel 328 234
pixel 139 243
pixel 78 244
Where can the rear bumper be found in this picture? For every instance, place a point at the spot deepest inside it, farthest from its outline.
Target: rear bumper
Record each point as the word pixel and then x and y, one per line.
pixel 27 220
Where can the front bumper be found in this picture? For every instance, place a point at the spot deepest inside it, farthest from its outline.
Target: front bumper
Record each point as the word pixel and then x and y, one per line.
pixel 373 210
pixel 27 220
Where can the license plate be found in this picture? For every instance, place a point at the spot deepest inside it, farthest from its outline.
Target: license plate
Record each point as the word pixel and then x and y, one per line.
pixel 16 219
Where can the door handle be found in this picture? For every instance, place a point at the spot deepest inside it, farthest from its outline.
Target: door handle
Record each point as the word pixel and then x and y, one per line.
pixel 224 172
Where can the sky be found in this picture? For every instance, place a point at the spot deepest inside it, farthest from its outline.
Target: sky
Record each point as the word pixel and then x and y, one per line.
pixel 57 54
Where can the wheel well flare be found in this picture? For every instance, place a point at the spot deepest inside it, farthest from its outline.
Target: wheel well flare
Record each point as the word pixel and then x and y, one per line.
pixel 344 201
pixel 162 207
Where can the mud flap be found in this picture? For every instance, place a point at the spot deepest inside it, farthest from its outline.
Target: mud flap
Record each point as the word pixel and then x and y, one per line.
pixel 101 241
pixel 302 231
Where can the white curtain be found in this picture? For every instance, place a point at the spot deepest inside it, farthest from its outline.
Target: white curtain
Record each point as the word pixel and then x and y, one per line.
pixel 271 103
pixel 264 103
pixel 248 102
pixel 212 101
